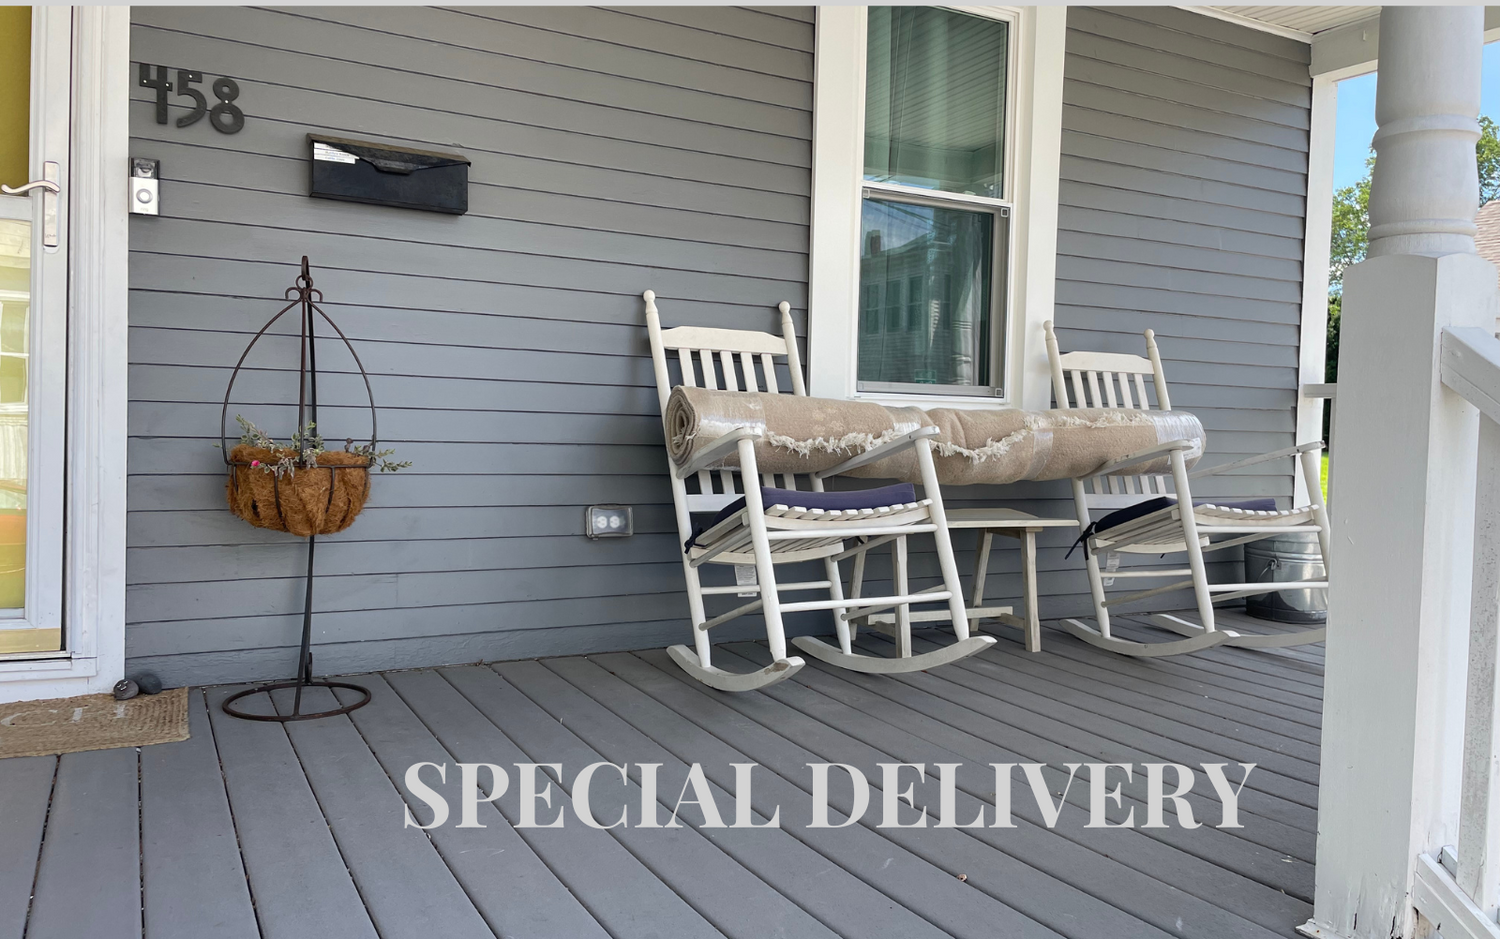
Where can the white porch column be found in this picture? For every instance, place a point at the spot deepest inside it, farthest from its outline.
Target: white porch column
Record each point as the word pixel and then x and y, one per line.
pixel 1399 595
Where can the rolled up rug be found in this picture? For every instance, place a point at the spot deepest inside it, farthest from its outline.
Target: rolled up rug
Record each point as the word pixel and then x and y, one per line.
pixel 982 446
pixel 798 434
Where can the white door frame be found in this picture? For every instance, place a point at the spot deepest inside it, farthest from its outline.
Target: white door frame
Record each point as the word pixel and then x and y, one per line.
pixel 95 233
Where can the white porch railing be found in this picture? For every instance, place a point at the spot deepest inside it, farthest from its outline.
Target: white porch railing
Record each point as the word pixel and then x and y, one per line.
pixel 1459 890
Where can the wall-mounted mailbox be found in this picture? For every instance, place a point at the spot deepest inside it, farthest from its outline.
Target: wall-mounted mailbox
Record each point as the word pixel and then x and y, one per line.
pixel 379 174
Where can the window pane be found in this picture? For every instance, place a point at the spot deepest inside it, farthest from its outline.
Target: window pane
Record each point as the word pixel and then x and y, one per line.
pixel 934 265
pixel 15 315
pixel 935 100
pixel 15 95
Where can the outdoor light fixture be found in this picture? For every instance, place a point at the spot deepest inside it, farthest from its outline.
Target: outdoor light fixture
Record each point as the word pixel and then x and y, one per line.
pixel 607 521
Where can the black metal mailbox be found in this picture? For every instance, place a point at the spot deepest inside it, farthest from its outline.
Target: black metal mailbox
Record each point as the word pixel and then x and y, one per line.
pixel 379 174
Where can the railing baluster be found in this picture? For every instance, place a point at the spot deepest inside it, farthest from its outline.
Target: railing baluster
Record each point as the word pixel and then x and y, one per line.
pixel 1478 872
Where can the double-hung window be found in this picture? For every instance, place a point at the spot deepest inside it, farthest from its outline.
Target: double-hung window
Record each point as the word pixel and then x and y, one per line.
pixel 935 217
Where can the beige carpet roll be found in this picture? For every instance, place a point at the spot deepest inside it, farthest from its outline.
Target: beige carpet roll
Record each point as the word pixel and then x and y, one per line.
pixel 984 446
pixel 798 434
pixel 991 446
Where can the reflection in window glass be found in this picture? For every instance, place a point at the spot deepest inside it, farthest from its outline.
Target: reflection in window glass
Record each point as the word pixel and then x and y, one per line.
pixel 942 257
pixel 15 315
pixel 935 100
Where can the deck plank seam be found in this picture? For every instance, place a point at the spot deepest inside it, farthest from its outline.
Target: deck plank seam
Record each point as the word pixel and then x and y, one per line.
pixel 41 844
pixel 234 820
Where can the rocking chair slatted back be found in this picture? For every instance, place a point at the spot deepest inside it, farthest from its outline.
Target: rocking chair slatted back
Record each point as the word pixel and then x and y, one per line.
pixel 726 360
pixel 1111 380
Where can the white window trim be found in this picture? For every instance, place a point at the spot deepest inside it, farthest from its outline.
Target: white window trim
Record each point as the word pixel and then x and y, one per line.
pixel 838 178
pixel 98 286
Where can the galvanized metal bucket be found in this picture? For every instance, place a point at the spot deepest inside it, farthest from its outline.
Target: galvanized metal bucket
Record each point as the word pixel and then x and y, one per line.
pixel 1291 557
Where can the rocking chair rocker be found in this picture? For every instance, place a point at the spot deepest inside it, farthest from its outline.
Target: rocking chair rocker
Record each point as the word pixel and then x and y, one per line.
pixel 1148 517
pixel 759 527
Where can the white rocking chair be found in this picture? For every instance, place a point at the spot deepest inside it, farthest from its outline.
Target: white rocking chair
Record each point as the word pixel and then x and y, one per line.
pixel 1148 519
pixel 808 526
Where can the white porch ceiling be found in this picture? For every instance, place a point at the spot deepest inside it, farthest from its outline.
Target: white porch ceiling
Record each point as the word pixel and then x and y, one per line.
pixel 1308 20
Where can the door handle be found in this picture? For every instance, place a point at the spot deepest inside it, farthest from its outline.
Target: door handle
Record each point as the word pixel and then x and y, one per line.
pixel 50 188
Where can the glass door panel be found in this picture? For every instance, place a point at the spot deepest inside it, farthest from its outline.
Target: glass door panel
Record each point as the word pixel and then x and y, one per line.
pixel 35 65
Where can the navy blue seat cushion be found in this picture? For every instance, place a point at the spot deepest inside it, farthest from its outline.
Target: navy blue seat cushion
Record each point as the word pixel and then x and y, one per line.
pixel 899 494
pixel 1141 509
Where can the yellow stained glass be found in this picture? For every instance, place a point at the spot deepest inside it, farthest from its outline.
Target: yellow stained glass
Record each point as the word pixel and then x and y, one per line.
pixel 15 318
pixel 15 95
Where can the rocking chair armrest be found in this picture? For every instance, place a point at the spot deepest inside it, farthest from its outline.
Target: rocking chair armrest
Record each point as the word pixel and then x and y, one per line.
pixel 881 451
pixel 716 451
pixel 1142 456
pixel 1252 460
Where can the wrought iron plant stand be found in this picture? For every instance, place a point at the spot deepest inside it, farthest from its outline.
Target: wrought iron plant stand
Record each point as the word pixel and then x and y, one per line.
pixel 304 296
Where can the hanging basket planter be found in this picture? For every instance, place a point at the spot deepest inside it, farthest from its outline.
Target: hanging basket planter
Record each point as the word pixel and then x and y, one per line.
pixel 300 489
pixel 314 500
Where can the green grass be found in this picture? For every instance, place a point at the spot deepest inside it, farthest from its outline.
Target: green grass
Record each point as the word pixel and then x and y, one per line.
pixel 1324 477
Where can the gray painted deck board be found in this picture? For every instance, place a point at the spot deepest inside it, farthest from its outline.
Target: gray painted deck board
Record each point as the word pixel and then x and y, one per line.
pixel 835 898
pixel 743 905
pixel 851 736
pixel 406 887
pixel 92 850
pixel 25 793
pixel 1012 882
pixel 621 892
pixel 501 875
pixel 906 705
pixel 302 813
pixel 911 897
pixel 193 878
pixel 297 876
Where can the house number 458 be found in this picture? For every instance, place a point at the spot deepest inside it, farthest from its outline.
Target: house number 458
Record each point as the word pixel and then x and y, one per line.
pixel 225 116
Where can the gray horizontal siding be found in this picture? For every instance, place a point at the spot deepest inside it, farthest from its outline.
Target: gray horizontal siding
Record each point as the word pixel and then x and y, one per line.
pixel 616 150
pixel 1181 210
pixel 613 150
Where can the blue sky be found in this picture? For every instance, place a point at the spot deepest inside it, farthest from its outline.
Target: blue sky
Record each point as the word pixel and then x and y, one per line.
pixel 1356 117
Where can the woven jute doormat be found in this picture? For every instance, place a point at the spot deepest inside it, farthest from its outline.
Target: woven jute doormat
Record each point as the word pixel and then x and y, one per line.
pixel 92 722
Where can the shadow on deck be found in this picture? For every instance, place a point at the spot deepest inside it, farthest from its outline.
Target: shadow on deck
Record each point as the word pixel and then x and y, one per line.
pixel 253 830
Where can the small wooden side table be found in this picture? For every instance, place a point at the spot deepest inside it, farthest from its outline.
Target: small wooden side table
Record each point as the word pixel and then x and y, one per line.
pixel 1024 528
pixel 989 523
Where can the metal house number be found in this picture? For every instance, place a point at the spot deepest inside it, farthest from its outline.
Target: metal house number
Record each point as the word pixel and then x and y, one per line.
pixel 225 116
